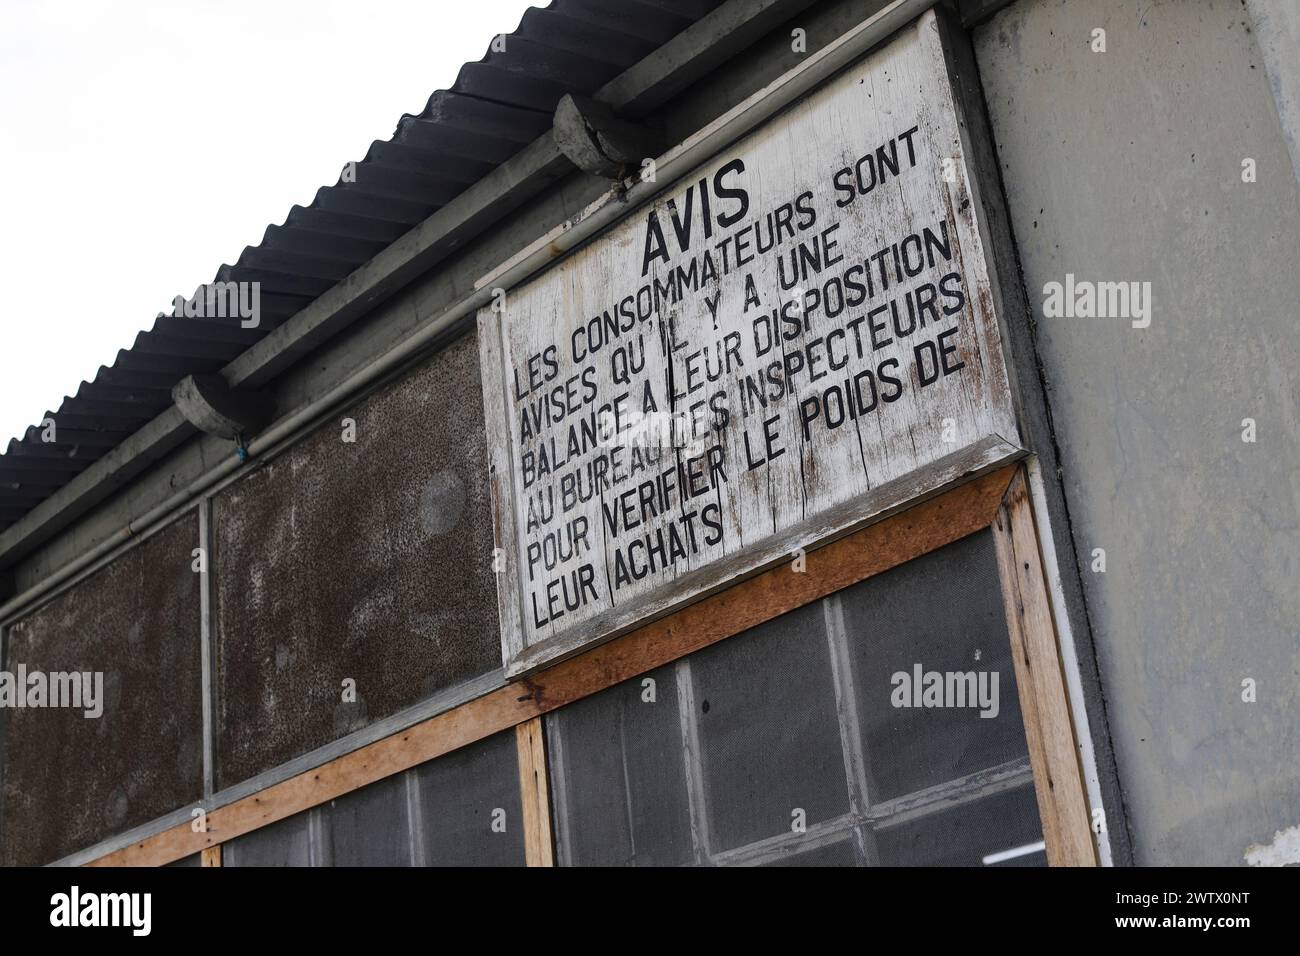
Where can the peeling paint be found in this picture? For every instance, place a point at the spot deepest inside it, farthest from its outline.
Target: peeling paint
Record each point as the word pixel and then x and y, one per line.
pixel 1283 851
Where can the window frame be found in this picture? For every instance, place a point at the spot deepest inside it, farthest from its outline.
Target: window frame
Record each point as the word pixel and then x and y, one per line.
pixel 999 500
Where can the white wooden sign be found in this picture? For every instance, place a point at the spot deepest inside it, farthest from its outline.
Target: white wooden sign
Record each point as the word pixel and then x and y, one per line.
pixel 792 339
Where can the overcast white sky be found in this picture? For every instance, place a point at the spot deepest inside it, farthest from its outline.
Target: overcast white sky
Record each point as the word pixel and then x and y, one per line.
pixel 145 142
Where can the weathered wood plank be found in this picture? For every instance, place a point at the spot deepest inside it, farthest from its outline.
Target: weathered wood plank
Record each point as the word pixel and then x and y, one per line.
pixel 534 791
pixel 505 556
pixel 1049 729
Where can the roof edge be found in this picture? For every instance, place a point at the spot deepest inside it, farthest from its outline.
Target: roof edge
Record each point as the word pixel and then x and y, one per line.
pixel 659 76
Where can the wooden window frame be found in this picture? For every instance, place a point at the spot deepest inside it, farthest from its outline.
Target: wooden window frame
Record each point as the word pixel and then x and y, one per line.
pixel 998 500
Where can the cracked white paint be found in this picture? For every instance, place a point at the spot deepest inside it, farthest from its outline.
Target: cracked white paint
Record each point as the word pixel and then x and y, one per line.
pixel 1284 850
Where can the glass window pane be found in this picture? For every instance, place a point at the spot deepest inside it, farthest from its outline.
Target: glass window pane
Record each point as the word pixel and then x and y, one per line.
pixel 467 812
pixel 968 834
pixel 841 853
pixel 284 843
pixel 470 807
pixel 369 827
pixel 765 705
pixel 618 778
pixel 941 614
pixel 322 563
pixel 747 739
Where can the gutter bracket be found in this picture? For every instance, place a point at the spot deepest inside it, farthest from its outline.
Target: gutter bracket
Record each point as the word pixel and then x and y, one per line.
pixel 212 406
pixel 599 143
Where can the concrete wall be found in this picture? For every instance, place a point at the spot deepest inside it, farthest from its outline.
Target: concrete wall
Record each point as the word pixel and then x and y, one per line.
pixel 1127 166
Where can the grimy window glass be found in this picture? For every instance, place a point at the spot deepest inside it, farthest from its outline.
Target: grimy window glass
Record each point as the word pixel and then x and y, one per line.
pixel 879 726
pixel 362 554
pixel 618 780
pixel 75 775
pixel 462 809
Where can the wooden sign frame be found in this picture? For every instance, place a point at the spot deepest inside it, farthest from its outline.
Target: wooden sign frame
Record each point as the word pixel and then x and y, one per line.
pixel 987 418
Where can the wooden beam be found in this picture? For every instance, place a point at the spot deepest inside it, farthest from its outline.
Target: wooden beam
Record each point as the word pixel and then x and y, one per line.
pixel 1040 681
pixel 876 548
pixel 535 793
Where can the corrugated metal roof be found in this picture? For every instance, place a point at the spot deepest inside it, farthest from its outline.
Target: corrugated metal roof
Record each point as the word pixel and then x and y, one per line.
pixel 496 107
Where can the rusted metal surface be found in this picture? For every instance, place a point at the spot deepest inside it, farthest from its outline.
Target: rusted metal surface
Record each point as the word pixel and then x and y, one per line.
pixel 71 780
pixel 368 561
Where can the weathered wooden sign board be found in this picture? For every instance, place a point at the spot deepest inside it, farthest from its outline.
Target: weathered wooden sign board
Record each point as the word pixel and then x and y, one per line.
pixel 792 339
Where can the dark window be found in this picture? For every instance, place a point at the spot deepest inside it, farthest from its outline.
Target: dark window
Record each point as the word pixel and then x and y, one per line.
pixel 462 809
pixel 367 561
pixel 878 726
pixel 69 780
pixel 621 799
